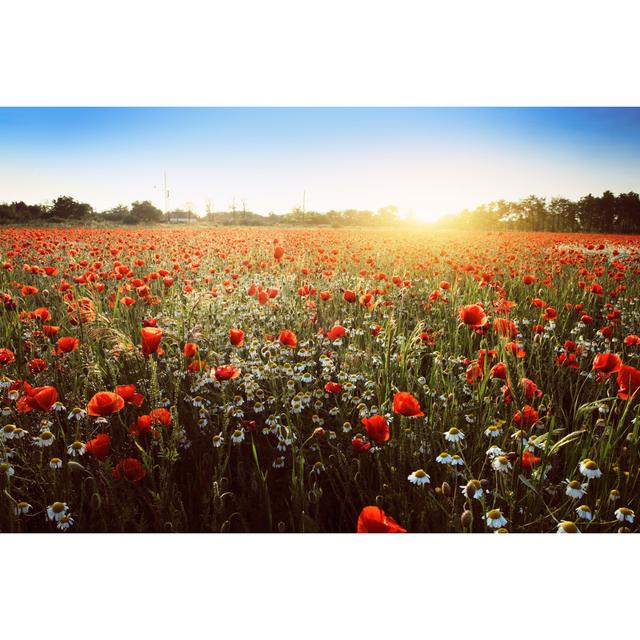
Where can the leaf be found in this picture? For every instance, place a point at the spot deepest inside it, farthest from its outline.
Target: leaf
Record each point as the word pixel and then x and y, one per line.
pixel 570 437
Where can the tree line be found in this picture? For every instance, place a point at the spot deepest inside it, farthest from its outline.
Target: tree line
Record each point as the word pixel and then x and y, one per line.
pixel 605 213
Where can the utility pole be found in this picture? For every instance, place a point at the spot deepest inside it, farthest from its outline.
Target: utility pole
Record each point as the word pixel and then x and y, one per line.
pixel 166 196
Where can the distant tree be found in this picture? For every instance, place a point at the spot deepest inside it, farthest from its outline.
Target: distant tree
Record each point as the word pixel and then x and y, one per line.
pixel 563 214
pixel 628 213
pixel 145 212
pixel 66 208
pixel 387 215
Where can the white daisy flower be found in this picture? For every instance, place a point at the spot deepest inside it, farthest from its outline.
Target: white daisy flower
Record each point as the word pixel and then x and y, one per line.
pixel 501 463
pixel 65 522
pixel 45 439
pixel 58 406
pixel 6 469
pixel 55 463
pixel 453 435
pixel 495 519
pixel 584 512
pixel 57 511
pixel 625 514
pixel 589 469
pixel 494 450
pixel 22 508
pixel 473 489
pixel 217 440
pixel 278 463
pixel 8 432
pixel 566 526
pixel 76 414
pixel 237 436
pixel 614 495
pixel 456 460
pixel 444 458
pixel 493 430
pixel 76 448
pixel 419 477
pixel 575 489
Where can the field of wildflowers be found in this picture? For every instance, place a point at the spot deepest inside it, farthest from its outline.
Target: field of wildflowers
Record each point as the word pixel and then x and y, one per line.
pixel 243 380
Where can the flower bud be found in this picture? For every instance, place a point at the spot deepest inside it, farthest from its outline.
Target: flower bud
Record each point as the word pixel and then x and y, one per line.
pixel 466 518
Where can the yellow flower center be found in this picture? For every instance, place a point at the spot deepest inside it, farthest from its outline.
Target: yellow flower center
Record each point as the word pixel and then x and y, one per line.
pixel 503 459
pixel 46 435
pixel 58 507
pixel 591 465
pixel 569 527
pixel 77 445
pixel 574 484
pixel 494 514
pixel 453 431
pixel 420 473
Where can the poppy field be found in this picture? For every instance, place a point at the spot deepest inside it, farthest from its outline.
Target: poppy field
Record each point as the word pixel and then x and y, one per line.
pixel 312 381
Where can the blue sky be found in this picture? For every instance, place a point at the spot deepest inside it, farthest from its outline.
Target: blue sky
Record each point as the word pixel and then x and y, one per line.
pixel 428 161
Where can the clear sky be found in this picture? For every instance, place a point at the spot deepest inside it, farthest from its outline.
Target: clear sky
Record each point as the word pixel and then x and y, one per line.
pixel 428 161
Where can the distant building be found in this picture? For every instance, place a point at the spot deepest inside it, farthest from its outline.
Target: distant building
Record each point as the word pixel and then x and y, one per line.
pixel 181 217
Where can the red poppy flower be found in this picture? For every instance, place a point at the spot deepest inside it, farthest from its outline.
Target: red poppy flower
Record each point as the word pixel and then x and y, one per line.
pixel 190 350
pixel 42 398
pixel 530 389
pixel 527 417
pixel 505 328
pixel 226 372
pixel 349 296
pixel 607 363
pixel 6 357
pixel 100 446
pixel 67 344
pixel 142 426
pixel 278 253
pixel 336 332
pixel 628 382
pixel 160 416
pixel 236 337
pixel 50 330
pixel 632 340
pixel 499 370
pixel 37 365
pixel 473 315
pixel 405 404
pixel 515 349
pixel 474 373
pixel 128 392
pixel 528 460
pixel 377 428
pixel 129 469
pixel 359 445
pixel 288 338
pixel 333 387
pixel 567 360
pixel 105 403
pixel 375 520
pixel 151 337
pixel 528 279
